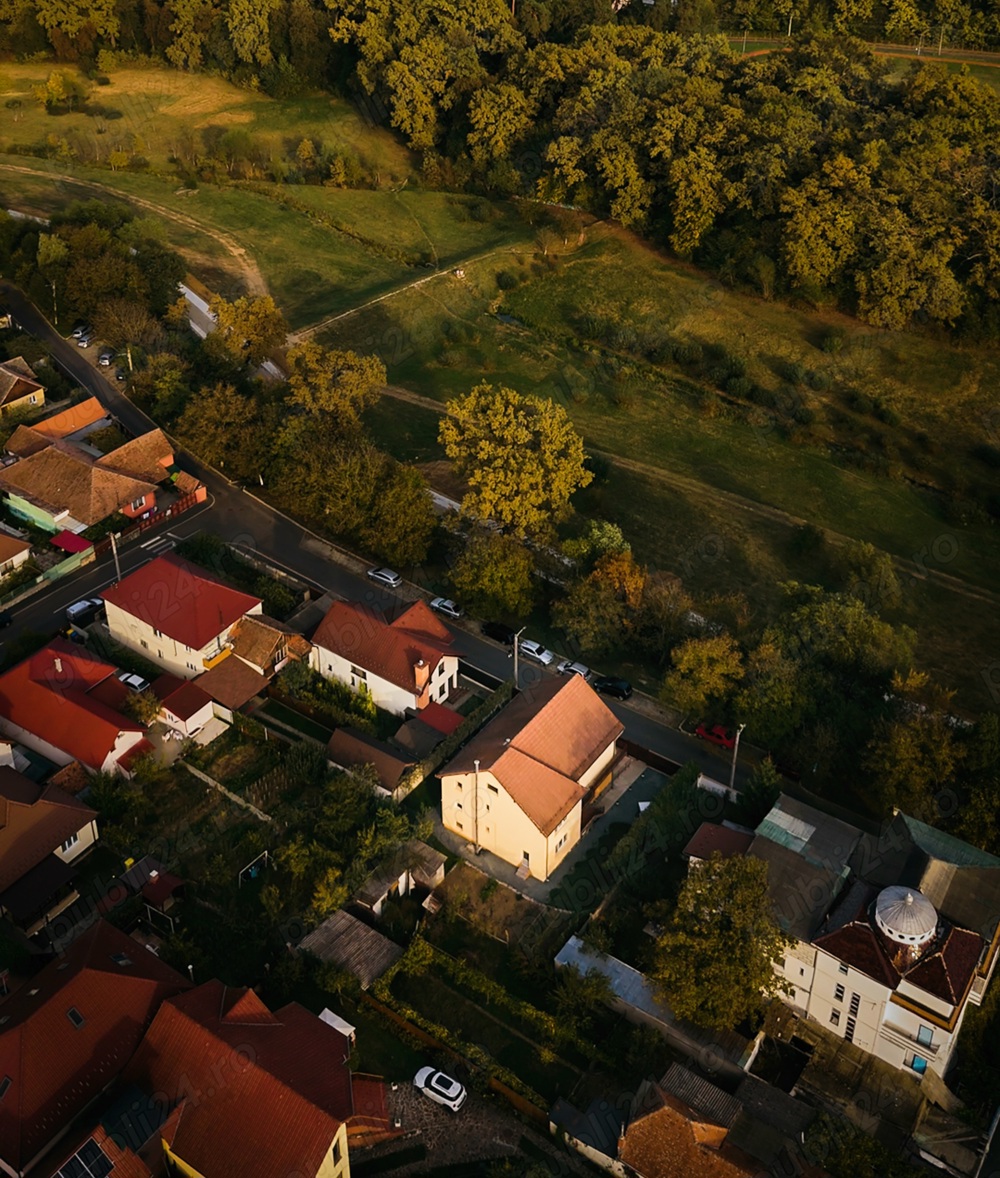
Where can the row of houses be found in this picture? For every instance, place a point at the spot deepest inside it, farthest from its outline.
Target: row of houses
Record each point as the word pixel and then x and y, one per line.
pixel 111 1062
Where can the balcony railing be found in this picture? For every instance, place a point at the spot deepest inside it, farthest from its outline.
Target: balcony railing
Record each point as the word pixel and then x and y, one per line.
pixel 908 1042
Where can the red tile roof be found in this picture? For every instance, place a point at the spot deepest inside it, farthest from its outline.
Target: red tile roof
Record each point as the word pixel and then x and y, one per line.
pixel 265 1093
pixel 541 744
pixel 49 695
pixel 34 821
pixel 388 650
pixel 710 837
pixel 180 600
pixel 349 748
pixel 440 718
pixel 671 1139
pixel 183 697
pixel 859 945
pixel 57 1068
pixel 124 1163
pixel 949 969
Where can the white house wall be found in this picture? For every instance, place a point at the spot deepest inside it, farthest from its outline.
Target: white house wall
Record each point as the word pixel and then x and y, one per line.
pixel 166 652
pixel 388 696
pixel 86 838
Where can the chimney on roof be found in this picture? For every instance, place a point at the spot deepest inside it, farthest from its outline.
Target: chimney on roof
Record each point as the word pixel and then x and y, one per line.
pixel 421 675
pixel 58 665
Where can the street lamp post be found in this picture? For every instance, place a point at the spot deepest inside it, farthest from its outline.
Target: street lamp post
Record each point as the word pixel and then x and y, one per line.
pixel 517 639
pixel 736 749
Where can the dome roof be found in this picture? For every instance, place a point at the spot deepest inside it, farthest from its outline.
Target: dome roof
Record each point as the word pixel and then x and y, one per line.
pixel 905 916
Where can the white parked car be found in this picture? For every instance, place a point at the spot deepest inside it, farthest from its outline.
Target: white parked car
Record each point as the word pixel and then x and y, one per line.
pixel 536 652
pixel 82 612
pixel 440 1088
pixel 133 681
pixel 568 667
pixel 385 577
pixel 444 605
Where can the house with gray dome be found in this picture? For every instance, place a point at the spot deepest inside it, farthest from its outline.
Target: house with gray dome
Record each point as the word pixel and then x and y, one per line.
pixel 894 933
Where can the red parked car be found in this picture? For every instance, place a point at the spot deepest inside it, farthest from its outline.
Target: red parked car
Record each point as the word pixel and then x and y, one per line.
pixel 716 734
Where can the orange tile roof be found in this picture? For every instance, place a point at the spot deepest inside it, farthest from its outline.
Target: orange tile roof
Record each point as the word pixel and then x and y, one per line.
pixel 145 457
pixel 26 440
pixel 49 695
pixel 541 744
pixel 181 600
pixel 57 1068
pixel 389 650
pixel 76 417
pixel 35 820
pixel 670 1140
pixel 232 682
pixel 61 478
pixel 264 1093
pixel 11 546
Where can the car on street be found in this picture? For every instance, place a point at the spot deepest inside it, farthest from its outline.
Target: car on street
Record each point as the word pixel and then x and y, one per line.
pixel 440 1088
pixel 80 327
pixel 120 375
pixel 499 633
pixel 82 612
pixel 132 681
pixel 6 618
pixel 716 734
pixel 444 605
pixel 385 577
pixel 612 685
pixel 530 649
pixel 568 667
pixel 83 341
pixel 105 356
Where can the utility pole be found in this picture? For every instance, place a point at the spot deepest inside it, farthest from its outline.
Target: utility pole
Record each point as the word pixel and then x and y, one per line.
pixel 114 553
pixel 736 749
pixel 517 639
pixel 790 15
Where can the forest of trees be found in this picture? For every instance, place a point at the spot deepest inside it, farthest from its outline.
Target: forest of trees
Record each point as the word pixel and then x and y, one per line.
pixel 806 174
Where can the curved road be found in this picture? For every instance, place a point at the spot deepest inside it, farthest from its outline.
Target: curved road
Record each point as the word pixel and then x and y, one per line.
pixel 245 521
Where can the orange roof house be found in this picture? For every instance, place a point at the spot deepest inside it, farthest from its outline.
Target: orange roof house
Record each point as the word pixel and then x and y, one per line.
pixel 73 419
pixel 176 614
pixel 525 777
pixel 145 458
pixel 18 385
pixel 69 1032
pixel 252 1093
pixel 406 663
pixel 62 702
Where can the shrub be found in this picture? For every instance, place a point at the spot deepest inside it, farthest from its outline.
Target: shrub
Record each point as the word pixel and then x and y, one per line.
pixel 689 354
pixel 804 415
pixel 741 386
pixel 986 453
pixel 796 373
pixel 506 280
pixel 818 380
pixel 833 340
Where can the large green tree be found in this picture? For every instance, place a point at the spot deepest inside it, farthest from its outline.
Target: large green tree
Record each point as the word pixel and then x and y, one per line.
pixel 342 384
pixel 520 456
pixel 705 672
pixel 714 961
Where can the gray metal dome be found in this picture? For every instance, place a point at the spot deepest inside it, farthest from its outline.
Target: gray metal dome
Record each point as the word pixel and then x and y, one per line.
pixel 905 916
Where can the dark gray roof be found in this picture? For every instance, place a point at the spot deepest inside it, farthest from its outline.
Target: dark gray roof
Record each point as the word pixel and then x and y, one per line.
pixel 349 943
pixel 416 857
pixel 418 737
pixel 710 1103
pixel 818 838
pixel 773 1107
pixel 598 1127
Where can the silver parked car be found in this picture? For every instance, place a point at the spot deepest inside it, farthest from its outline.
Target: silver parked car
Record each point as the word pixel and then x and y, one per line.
pixel 530 649
pixel 385 577
pixel 444 605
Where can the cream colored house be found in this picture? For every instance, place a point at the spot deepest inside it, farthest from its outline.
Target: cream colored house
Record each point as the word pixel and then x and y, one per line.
pixel 893 935
pixel 176 615
pixel 405 664
pixel 19 387
pixel 519 788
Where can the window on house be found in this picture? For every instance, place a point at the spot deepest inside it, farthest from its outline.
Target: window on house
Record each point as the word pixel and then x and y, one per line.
pixel 458 805
pixel 849 1030
pixel 493 789
pixel 838 993
pixel 75 1017
pixel 487 807
pixel 791 993
pixel 144 644
pixel 458 785
pixel 802 971
pixel 925 1036
pixel 855 1003
pixel 359 672
pixel 835 1018
pixel 460 826
pixel 5 1083
pixel 138 504
pixel 842 967
pixel 157 633
pixel 70 843
pixel 336 1152
pixel 121 959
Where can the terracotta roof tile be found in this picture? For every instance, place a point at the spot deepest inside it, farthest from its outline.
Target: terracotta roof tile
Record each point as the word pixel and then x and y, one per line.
pixel 17 380
pixel 34 821
pixel 232 682
pixel 262 641
pixel 60 478
pixel 541 743
pixel 49 695
pixel 57 1068
pixel 76 417
pixel 181 600
pixel 669 1140
pixel 268 1091
pixel 26 440
pixel 11 546
pixel 949 969
pixel 349 748
pixel 389 650
pixel 145 457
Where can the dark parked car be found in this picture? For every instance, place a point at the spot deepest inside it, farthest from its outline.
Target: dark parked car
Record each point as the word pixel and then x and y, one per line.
pixel 613 686
pixel 499 633
pixel 6 617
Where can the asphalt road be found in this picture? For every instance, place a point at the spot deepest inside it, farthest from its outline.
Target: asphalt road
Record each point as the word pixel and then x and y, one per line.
pixel 243 520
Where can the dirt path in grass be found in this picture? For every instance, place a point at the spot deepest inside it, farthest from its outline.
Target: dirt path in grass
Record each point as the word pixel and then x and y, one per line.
pixel 914 569
pixel 248 268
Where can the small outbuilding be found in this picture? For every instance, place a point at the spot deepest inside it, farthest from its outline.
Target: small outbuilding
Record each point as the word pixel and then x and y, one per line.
pixel 350 944
pixel 414 865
